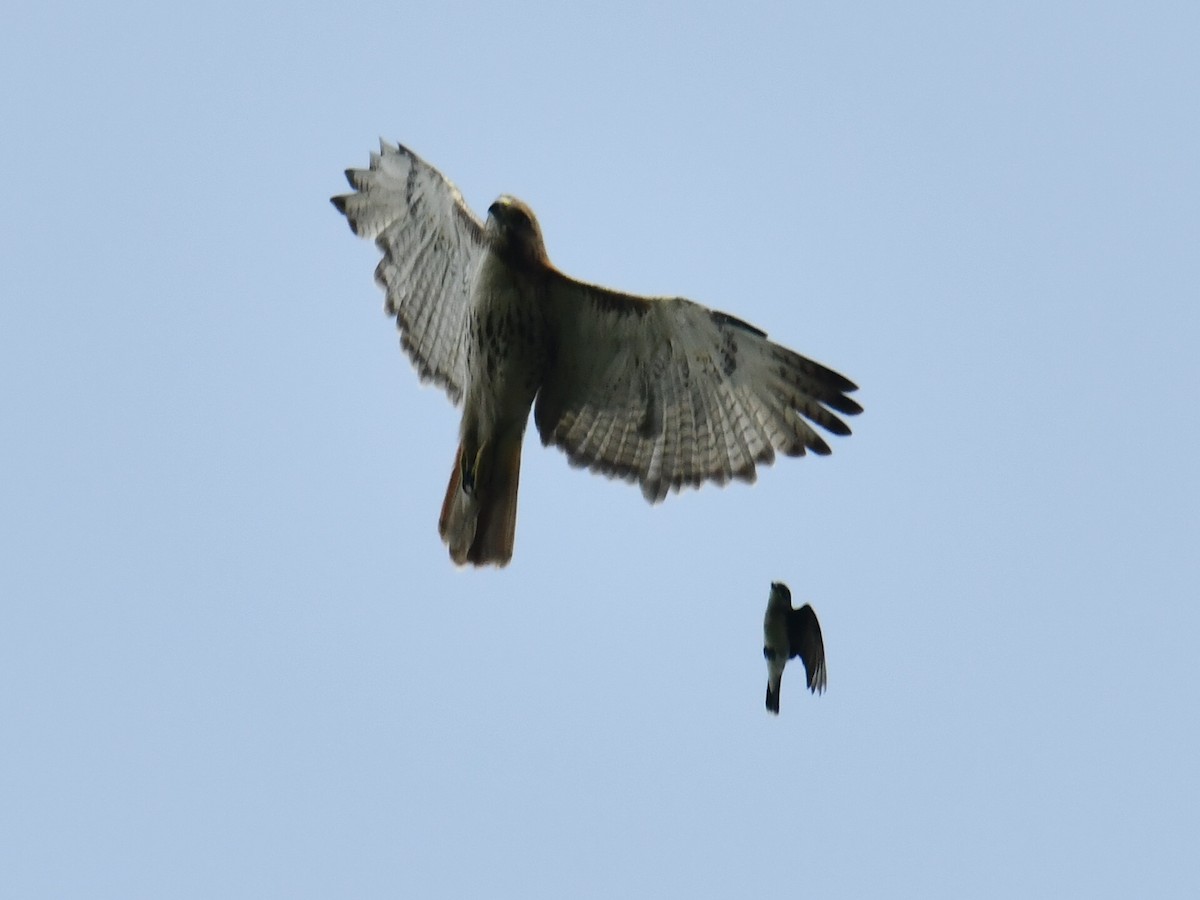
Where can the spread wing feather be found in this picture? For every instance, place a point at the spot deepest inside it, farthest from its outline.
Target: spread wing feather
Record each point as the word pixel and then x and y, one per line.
pixel 431 242
pixel 669 393
pixel 804 640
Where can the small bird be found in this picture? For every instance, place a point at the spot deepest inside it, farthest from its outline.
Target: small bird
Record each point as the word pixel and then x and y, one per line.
pixel 787 633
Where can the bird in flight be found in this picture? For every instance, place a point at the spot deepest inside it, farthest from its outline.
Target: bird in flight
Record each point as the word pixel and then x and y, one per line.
pixel 655 390
pixel 788 633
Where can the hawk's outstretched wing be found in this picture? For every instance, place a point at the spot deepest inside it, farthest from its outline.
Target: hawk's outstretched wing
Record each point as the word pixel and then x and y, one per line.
pixel 668 393
pixel 430 241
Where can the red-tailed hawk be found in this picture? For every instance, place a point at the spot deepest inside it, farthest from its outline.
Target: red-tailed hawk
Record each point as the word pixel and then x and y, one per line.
pixel 657 390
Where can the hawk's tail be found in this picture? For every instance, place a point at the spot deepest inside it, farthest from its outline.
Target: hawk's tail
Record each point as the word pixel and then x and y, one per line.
pixel 480 525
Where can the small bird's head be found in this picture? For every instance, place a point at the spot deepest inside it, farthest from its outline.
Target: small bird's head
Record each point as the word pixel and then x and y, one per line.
pixel 780 591
pixel 513 230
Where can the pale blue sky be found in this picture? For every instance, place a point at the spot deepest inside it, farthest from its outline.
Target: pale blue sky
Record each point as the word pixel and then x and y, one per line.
pixel 235 660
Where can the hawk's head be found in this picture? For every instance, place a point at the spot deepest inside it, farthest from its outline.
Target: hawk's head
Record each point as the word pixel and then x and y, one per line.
pixel 513 231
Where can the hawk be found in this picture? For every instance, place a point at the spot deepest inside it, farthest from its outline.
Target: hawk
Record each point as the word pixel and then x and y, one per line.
pixel 788 633
pixel 656 390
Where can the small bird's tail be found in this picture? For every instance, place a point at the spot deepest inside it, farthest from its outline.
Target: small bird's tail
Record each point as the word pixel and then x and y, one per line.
pixel 773 695
pixel 479 524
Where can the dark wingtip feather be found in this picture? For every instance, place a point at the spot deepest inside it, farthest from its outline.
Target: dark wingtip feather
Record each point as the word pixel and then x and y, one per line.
pixel 835 425
pixel 339 203
pixel 843 405
pixel 818 446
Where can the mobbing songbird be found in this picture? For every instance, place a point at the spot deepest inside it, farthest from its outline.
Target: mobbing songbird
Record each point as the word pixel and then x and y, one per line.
pixel 788 633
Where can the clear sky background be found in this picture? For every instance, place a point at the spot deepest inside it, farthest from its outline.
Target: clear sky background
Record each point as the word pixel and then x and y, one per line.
pixel 235 659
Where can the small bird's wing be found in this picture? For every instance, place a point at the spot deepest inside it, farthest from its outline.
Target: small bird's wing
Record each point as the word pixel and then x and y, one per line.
pixel 431 242
pixel 668 393
pixel 804 640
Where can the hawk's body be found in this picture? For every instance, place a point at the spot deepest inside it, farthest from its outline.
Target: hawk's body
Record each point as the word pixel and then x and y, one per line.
pixel 662 391
pixel 507 353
